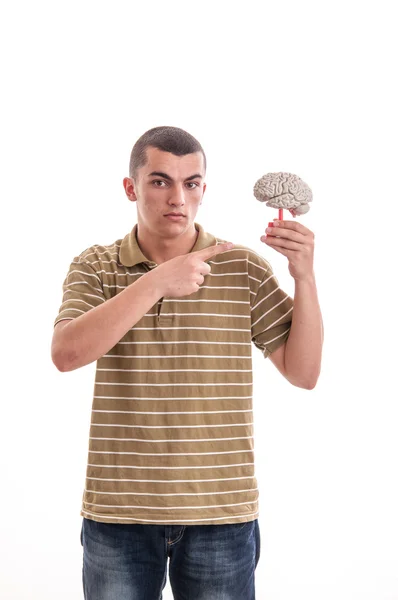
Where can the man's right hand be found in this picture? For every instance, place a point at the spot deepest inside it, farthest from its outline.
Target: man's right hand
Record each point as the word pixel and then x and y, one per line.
pixel 183 275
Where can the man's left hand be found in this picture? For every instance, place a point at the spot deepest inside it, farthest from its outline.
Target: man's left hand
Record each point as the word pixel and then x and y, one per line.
pixel 296 242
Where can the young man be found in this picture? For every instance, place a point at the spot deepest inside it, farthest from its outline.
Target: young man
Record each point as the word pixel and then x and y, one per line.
pixel 169 313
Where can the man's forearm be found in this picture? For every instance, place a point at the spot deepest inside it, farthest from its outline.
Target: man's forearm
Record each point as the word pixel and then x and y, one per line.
pixel 90 336
pixel 304 345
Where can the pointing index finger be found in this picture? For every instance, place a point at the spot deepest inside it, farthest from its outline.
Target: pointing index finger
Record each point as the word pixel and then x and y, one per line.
pixel 206 253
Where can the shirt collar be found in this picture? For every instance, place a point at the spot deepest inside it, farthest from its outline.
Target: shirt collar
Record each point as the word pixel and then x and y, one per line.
pixel 131 254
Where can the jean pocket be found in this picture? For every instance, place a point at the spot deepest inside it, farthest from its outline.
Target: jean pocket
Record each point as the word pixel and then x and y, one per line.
pixel 258 542
pixel 81 533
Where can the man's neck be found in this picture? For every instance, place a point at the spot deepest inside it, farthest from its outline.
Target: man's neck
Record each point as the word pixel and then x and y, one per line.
pixel 164 252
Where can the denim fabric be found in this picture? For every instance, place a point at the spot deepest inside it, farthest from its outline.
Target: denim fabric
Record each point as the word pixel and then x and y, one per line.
pixel 207 562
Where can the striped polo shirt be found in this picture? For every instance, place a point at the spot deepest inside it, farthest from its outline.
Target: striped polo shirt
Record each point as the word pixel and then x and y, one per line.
pixel 171 433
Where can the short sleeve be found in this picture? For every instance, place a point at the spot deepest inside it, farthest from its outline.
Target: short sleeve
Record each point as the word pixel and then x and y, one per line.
pixel 271 315
pixel 82 291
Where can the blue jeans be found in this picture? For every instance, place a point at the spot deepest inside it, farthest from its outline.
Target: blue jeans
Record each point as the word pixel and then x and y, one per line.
pixel 207 562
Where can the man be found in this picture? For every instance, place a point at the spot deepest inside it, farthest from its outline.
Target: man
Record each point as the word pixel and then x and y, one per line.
pixel 169 313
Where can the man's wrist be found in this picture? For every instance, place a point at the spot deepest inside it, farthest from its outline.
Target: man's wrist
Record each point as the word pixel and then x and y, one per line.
pixel 305 279
pixel 155 281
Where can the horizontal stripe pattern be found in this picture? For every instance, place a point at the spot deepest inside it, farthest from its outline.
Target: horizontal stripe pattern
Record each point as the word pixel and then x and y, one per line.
pixel 172 434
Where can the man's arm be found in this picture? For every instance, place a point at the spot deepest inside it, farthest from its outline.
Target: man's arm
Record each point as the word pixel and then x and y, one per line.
pixel 80 341
pixel 299 359
pixel 84 339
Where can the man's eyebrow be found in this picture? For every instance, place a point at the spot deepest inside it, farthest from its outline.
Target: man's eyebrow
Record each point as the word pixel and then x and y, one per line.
pixel 165 176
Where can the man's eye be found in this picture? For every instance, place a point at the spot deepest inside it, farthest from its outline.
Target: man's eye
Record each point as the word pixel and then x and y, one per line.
pixel 160 181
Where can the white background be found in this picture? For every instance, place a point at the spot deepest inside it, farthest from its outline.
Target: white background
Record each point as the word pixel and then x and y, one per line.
pixel 305 87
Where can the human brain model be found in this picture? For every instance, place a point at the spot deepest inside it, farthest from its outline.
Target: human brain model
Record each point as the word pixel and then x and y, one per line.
pixel 283 190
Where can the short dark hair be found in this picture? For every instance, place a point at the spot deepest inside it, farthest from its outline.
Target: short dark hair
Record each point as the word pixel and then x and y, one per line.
pixel 169 139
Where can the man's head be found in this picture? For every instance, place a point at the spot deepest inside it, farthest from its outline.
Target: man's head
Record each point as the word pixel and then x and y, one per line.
pixel 167 171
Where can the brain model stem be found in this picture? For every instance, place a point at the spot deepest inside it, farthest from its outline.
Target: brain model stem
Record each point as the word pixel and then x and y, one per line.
pixel 280 217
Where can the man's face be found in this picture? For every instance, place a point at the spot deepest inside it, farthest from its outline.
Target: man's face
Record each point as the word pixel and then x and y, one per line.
pixel 168 183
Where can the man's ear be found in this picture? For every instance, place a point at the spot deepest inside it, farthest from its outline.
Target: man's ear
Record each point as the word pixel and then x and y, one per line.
pixel 204 189
pixel 128 184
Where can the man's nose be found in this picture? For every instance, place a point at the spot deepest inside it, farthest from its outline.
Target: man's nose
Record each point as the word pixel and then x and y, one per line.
pixel 178 195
